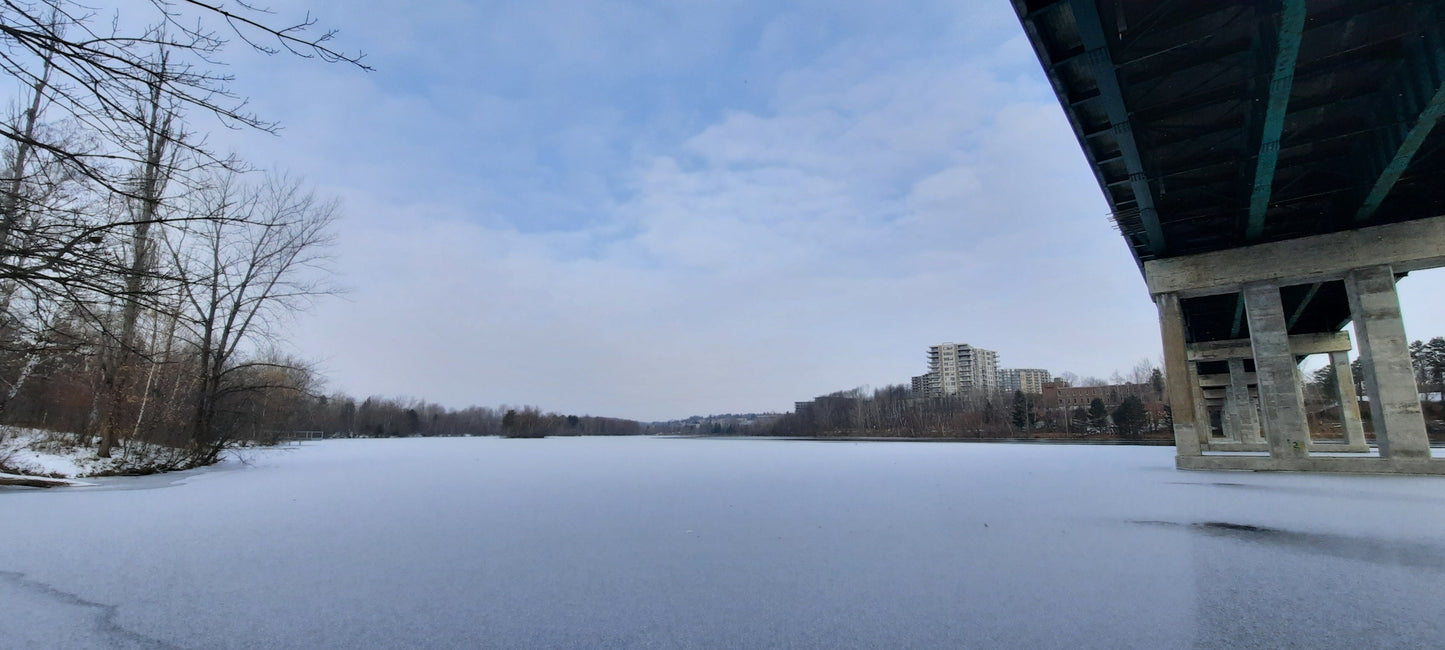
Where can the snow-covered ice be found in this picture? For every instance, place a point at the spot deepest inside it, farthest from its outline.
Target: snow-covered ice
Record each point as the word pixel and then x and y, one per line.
pixel 716 543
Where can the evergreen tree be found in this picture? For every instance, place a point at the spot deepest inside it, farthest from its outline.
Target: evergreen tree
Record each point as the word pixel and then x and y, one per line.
pixel 1021 410
pixel 1098 414
pixel 1435 361
pixel 1130 417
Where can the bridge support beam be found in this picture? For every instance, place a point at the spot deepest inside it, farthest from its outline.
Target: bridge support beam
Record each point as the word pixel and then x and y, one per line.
pixel 1177 375
pixel 1385 359
pixel 1241 414
pixel 1280 393
pixel 1202 424
pixel 1349 403
pixel 1237 413
pixel 1368 261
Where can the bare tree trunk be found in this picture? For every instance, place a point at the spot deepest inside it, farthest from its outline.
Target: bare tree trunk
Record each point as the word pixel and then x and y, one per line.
pixel 10 214
pixel 10 204
pixel 153 177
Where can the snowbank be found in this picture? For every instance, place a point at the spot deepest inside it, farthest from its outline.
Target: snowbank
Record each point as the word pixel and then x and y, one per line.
pixel 39 453
pixel 35 452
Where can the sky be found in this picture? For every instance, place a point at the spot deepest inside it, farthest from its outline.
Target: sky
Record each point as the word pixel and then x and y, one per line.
pixel 660 209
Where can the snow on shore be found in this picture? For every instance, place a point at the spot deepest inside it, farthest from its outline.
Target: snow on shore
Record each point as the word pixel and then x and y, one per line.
pixel 646 542
pixel 35 452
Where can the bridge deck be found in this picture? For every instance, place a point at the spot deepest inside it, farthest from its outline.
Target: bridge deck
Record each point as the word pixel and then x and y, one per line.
pixel 1214 125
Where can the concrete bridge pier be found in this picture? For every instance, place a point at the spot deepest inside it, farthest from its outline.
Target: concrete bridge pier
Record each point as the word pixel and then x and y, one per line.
pixel 1241 412
pixel 1349 402
pixel 1385 360
pixel 1178 382
pixel 1230 396
pixel 1366 262
pixel 1280 394
pixel 1202 423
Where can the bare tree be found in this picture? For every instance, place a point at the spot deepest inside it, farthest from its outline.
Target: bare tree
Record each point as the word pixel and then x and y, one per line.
pixel 1142 372
pixel 94 161
pixel 90 69
pixel 258 255
pixel 35 193
pixel 99 66
pixel 158 140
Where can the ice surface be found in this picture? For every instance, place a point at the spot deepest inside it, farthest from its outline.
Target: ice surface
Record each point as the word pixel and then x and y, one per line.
pixel 715 543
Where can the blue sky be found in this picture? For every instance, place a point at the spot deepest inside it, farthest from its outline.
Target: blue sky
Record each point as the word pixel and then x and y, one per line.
pixel 659 209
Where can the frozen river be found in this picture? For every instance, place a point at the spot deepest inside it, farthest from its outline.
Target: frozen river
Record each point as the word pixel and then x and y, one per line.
pixel 679 543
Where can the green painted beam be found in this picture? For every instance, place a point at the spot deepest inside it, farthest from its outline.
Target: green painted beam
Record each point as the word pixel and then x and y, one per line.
pixel 1291 27
pixel 1238 317
pixel 1033 15
pixel 1096 47
pixel 1400 161
pixel 1300 310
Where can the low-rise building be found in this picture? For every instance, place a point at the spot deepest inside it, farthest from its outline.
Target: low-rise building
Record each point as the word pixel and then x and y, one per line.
pixel 1061 394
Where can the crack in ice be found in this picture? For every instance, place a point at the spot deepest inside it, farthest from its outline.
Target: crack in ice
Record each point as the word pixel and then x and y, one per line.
pixel 113 633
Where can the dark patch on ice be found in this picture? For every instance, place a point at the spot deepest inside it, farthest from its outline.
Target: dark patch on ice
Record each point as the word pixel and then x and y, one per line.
pixel 1152 522
pixel 114 635
pixel 1365 549
pixel 1246 528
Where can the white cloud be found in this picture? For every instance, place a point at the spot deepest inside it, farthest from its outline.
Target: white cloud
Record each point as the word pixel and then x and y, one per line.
pixel 769 256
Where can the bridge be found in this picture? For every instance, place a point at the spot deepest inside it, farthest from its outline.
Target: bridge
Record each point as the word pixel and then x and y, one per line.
pixel 1273 168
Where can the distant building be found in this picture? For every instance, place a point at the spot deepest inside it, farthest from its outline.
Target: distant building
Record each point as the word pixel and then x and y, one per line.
pixel 1061 394
pixel 1028 380
pixel 958 369
pixel 926 385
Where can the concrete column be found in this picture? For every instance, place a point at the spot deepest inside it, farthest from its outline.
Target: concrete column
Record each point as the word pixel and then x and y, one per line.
pixel 1349 402
pixel 1176 374
pixel 1385 360
pixel 1229 419
pixel 1280 393
pixel 1242 413
pixel 1201 407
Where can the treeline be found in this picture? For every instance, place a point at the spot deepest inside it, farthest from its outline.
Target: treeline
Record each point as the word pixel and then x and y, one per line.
pixel 143 276
pixel 340 416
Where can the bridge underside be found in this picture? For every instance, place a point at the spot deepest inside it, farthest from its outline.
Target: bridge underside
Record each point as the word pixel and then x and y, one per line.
pixel 1271 165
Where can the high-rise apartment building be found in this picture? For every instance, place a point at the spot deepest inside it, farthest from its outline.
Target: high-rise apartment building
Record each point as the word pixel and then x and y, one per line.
pixel 958 369
pixel 1028 380
pixel 926 385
